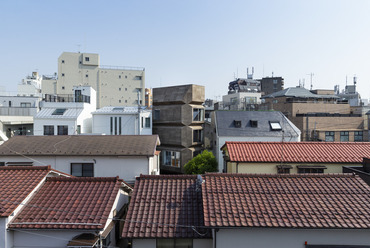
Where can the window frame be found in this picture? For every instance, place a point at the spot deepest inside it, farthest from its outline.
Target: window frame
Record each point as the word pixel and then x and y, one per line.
pixel 84 170
pixel 198 114
pixel 173 241
pixel 329 134
pixel 358 134
pixel 171 158
pixel 198 135
pixel 62 130
pixel 344 136
pixel 49 130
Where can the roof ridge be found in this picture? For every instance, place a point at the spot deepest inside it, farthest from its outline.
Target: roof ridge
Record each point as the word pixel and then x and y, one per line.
pixel 84 179
pixel 304 175
pixel 29 167
pixel 166 176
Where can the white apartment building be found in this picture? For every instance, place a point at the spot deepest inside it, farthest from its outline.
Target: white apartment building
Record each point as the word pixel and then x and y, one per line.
pixel 30 86
pixel 114 85
pixel 66 114
pixel 122 121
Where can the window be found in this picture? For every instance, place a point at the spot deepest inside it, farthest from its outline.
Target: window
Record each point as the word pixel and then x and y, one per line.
pixel 157 114
pixel 2 163
pixel 253 123
pixel 237 123
pixel 119 76
pixel 119 89
pixel 198 114
pixel 87 59
pixel 62 130
pixel 171 158
pixel 48 130
pixel 125 89
pixel 147 122
pixel 284 169
pixel 119 101
pixel 311 169
pixel 10 103
pixel 59 111
pixel 82 169
pixel 116 125
pixel 197 136
pixel 174 243
pixel 86 75
pixel 63 88
pixel 358 136
pixel 62 74
pixel 329 136
pixel 25 105
pixel 137 78
pixel 344 136
pixel 62 61
pixel 275 126
pixel 78 129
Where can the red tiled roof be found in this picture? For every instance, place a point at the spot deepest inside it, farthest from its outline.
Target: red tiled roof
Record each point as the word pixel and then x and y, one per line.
pixel 70 203
pixel 165 207
pixel 286 201
pixel 16 183
pixel 305 152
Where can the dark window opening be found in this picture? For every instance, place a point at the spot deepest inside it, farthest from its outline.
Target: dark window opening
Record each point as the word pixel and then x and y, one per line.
pixel 82 169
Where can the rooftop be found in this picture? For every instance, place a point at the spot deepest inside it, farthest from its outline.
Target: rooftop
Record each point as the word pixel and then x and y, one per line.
pixel 17 182
pixel 298 92
pixel 301 152
pixel 286 201
pixel 165 207
pixel 81 145
pixel 262 119
pixel 69 203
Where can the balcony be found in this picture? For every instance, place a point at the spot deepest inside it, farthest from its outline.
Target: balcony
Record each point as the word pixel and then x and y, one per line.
pixel 17 111
pixel 66 98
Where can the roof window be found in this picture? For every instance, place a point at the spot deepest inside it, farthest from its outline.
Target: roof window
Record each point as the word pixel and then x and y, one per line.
pixel 59 111
pixel 275 125
pixel 237 123
pixel 253 123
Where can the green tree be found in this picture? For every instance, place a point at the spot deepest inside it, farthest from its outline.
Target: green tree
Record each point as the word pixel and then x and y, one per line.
pixel 203 162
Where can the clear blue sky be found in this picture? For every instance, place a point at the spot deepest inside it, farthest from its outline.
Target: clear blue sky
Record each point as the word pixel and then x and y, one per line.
pixel 193 41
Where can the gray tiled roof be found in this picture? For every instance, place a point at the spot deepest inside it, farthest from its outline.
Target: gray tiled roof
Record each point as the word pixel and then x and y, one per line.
pixel 81 145
pixel 298 92
pixel 225 124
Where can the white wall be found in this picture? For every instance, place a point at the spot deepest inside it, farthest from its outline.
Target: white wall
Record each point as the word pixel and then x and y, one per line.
pixel 6 237
pixel 126 167
pixel 38 126
pixel 288 238
pixel 44 238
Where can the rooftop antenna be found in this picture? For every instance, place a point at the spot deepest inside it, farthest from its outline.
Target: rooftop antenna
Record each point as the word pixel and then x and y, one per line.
pixel 311 75
pixel 272 74
pixel 354 79
pixel 79 47
pixel 346 80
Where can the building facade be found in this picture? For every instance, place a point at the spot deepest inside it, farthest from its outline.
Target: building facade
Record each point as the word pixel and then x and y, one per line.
pixel 122 121
pixel 115 85
pixel 178 119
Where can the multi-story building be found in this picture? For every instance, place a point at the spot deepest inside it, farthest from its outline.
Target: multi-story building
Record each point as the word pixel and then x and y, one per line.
pixel 114 85
pixel 320 117
pixel 122 121
pixel 270 85
pixel 178 119
pixel 148 98
pixel 30 86
pixel 66 114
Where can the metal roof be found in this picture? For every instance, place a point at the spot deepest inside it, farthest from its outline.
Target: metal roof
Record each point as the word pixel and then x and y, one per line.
pixel 298 92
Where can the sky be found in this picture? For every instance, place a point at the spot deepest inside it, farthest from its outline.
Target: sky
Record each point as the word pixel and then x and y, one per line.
pixel 204 42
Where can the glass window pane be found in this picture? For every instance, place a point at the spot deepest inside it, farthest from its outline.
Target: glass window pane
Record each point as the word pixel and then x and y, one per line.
pixel 76 170
pixel 184 243
pixel 165 243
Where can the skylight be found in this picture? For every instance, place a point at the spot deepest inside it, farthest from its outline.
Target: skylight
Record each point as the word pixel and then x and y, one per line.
pixel 59 111
pixel 275 126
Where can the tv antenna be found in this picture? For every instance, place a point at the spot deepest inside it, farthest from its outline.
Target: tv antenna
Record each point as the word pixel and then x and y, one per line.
pixel 311 75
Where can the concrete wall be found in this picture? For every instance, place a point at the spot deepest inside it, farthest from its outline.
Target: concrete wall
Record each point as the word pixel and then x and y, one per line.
pixel 40 123
pixel 271 168
pixel 288 238
pixel 115 86
pixel 126 168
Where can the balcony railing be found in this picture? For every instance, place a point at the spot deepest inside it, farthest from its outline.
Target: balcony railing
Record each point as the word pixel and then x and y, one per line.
pixel 17 111
pixel 66 98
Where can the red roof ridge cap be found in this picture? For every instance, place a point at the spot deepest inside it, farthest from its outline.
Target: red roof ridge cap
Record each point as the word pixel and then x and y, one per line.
pixel 84 179
pixel 166 176
pixel 26 167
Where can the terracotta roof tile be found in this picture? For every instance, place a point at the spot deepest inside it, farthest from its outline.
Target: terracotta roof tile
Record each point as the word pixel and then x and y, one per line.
pixel 69 203
pixel 306 152
pixel 16 183
pixel 75 145
pixel 286 201
pixel 165 207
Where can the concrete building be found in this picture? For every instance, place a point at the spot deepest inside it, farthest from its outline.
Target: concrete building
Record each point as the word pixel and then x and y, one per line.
pixel 66 114
pixel 241 101
pixel 272 84
pixel 17 114
pixel 178 119
pixel 262 126
pixel 148 98
pixel 320 117
pixel 122 121
pixel 115 85
pixel 30 86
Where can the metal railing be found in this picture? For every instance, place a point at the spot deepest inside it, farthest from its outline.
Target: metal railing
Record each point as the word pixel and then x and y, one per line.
pixel 17 111
pixel 66 98
pixel 113 67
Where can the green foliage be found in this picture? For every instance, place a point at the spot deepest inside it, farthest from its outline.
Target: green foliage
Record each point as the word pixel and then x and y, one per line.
pixel 203 162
